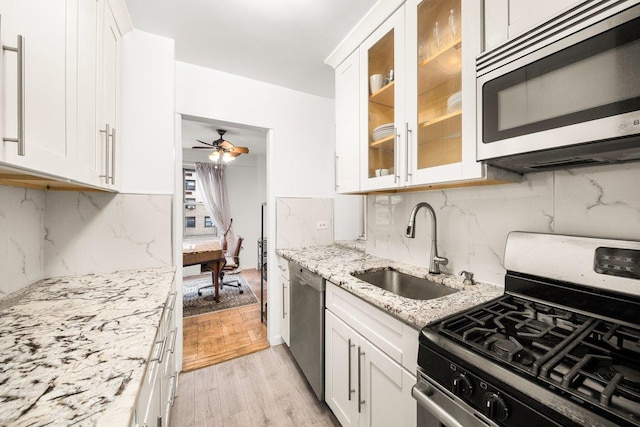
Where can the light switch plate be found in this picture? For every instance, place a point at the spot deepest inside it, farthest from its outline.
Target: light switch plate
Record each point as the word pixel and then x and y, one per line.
pixel 322 225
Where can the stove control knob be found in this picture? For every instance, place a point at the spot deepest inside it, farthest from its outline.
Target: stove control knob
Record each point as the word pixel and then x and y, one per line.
pixel 495 407
pixel 461 386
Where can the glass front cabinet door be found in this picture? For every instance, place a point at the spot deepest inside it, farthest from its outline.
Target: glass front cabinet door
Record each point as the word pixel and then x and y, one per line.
pixel 382 105
pixel 442 43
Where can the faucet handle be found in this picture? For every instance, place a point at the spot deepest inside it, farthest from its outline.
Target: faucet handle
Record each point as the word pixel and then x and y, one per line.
pixel 468 277
pixel 441 260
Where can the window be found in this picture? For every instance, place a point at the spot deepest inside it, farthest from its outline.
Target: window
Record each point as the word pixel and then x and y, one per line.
pixel 207 222
pixel 190 184
pixel 190 222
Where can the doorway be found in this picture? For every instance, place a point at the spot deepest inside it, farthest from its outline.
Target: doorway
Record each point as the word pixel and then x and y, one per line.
pixel 216 332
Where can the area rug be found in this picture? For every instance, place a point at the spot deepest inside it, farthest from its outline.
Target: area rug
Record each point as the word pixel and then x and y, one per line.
pixel 230 297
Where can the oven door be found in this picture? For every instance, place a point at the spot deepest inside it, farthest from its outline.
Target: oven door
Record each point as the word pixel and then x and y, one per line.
pixel 561 86
pixel 438 408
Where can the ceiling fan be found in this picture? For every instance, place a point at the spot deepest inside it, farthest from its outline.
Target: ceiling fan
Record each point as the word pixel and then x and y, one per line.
pixel 222 149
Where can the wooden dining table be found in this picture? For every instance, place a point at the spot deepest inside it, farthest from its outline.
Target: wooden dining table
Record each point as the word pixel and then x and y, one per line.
pixel 210 256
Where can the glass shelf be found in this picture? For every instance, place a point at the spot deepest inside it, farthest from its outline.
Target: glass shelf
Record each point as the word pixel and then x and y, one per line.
pixel 439 69
pixel 443 66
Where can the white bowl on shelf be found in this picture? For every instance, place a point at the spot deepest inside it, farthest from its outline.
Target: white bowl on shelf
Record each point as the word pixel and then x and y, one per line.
pixel 454 102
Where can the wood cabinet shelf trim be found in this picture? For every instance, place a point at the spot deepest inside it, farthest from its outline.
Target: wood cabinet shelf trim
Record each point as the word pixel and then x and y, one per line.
pixel 440 119
pixel 384 96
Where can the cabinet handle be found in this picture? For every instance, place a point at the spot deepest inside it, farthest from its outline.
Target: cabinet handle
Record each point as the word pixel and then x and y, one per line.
pixel 158 358
pixel 360 401
pixel 173 301
pixel 351 390
pixel 107 132
pixel 19 50
pixel 335 170
pixel 113 156
pixel 173 388
pixel 284 313
pixel 396 163
pixel 407 131
pixel 172 349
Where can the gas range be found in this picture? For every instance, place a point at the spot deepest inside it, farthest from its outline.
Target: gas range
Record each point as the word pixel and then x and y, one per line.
pixel 560 347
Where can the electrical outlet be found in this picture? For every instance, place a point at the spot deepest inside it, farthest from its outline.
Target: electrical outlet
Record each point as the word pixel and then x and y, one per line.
pixel 322 225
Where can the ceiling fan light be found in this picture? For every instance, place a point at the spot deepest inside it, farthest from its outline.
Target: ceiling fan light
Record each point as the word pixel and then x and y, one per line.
pixel 227 157
pixel 215 156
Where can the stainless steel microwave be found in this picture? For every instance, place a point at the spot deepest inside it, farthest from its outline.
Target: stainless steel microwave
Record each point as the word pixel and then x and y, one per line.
pixel 564 94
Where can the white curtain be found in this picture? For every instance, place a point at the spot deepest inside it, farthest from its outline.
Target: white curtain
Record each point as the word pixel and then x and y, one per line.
pixel 213 188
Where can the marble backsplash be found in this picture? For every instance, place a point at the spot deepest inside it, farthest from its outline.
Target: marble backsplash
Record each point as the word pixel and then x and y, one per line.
pixel 106 232
pixel 22 213
pixel 50 234
pixel 473 222
pixel 296 222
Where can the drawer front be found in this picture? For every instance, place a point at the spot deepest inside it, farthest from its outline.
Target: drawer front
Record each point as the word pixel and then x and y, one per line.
pixel 283 267
pixel 381 329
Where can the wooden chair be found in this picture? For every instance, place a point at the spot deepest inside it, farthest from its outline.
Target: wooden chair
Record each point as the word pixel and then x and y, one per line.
pixel 230 265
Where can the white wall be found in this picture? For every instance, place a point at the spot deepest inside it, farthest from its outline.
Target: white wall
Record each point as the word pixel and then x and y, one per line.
pixel 473 222
pixel 302 124
pixel 245 200
pixel 147 114
pixel 300 141
pixel 22 236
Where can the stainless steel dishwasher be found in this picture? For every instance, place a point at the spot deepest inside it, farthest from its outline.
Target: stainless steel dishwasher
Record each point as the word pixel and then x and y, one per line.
pixel 307 324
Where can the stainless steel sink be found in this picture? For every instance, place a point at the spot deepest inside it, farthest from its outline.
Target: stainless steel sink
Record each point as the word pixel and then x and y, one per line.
pixel 405 285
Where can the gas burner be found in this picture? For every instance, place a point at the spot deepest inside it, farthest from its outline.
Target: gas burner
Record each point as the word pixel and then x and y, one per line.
pixel 535 325
pixel 503 347
pixel 474 332
pixel 630 376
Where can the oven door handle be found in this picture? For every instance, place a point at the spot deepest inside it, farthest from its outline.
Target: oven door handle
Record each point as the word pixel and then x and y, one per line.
pixel 421 392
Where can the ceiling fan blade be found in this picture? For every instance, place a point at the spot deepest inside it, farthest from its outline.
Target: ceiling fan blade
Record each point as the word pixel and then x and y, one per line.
pixel 201 148
pixel 240 150
pixel 226 145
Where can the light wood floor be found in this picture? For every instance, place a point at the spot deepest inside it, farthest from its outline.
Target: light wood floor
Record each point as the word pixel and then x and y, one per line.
pixel 261 389
pixel 215 337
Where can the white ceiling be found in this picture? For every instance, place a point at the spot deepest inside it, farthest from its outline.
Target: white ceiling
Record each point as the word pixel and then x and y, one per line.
pixel 283 42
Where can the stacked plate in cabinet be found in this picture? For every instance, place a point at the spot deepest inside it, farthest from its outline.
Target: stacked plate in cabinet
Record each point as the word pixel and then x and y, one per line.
pixel 383 131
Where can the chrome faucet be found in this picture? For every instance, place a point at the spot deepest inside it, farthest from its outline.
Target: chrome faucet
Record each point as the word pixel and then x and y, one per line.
pixel 436 261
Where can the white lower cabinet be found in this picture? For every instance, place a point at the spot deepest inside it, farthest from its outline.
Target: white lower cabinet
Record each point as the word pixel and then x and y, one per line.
pixel 363 385
pixel 153 407
pixel 283 277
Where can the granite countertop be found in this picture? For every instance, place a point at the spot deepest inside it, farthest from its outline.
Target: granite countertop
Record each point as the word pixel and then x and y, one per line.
pixel 358 245
pixel 336 263
pixel 73 350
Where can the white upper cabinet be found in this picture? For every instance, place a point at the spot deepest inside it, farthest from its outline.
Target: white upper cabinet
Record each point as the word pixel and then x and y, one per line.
pixel 347 161
pixel 417 96
pixel 98 94
pixel 41 24
pixel 108 93
pixel 70 80
pixel 505 19
pixel 382 81
pixel 442 43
